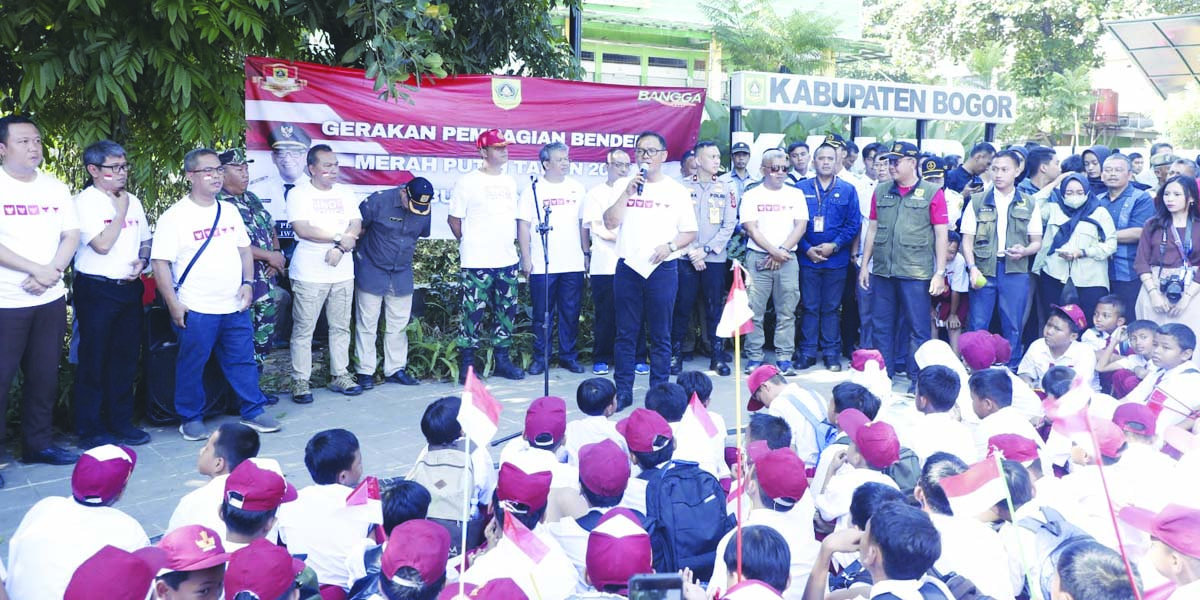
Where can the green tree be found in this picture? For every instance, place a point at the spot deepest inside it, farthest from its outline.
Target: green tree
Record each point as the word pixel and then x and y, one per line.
pixel 164 76
pixel 754 37
pixel 1183 119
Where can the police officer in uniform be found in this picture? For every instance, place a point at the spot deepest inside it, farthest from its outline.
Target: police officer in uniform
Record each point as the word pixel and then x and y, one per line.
pixel 702 267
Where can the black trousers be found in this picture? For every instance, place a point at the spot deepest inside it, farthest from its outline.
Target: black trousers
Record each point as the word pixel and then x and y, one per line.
pixel 110 333
pixel 31 339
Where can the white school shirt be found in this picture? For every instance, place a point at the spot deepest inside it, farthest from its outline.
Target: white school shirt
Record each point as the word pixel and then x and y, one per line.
pixel 1024 399
pixel 1150 475
pixel 833 504
pixel 318 525
pixel 588 430
pixel 95 211
pixel 939 432
pixel 1078 356
pixel 973 550
pixel 487 205
pixel 1188 591
pixel 1005 420
pixel 804 436
pixel 35 215
pixel 566 202
pixel 554 578
pixel 604 252
pixel 56 536
pixel 968 226
pixel 693 444
pixel 213 283
pixel 752 589
pixel 201 506
pixel 1134 362
pixel 653 218
pixel 535 460
pixel 331 211
pixel 796 527
pixel 775 212
pixel 908 589
pixel 573 539
pixel 1178 389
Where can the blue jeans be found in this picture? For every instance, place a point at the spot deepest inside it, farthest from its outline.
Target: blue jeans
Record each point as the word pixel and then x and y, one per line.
pixel 820 296
pixel 566 299
pixel 232 338
pixel 705 286
pixel 1010 291
pixel 636 298
pixel 896 300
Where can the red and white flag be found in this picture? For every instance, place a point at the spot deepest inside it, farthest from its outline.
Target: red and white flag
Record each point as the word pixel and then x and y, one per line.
pixel 736 317
pixel 975 490
pixel 696 414
pixel 526 541
pixel 365 503
pixel 479 413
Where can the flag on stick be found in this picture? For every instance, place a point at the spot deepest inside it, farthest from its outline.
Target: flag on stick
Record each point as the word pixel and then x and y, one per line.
pixel 696 414
pixel 479 413
pixel 975 490
pixel 524 539
pixel 736 318
pixel 365 502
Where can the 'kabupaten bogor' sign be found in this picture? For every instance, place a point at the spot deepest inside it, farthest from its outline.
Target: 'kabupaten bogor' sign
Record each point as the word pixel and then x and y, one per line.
pixel 804 93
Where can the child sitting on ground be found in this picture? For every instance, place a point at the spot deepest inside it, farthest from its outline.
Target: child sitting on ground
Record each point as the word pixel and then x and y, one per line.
pixel 597 400
pixel 1060 346
pixel 1170 391
pixel 1109 317
pixel 1129 370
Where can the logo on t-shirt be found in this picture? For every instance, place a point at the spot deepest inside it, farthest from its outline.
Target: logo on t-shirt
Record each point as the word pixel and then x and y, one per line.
pixel 201 234
pixel 128 223
pixel 642 203
pixel 27 210
pixel 766 208
pixel 328 205
pixel 560 202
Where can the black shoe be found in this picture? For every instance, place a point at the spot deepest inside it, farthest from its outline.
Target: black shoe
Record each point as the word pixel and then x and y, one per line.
pixel 537 367
pixel 676 364
pixel 624 402
pixel 720 366
pixel 401 377
pixel 505 368
pixel 131 436
pixel 91 441
pixel 272 399
pixel 52 455
pixel 1 481
pixel 466 358
pixel 833 364
pixel 366 382
pixel 570 365
pixel 805 362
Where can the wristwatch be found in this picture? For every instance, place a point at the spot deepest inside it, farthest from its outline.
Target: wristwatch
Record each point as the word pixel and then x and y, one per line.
pixel 671 246
pixel 337 239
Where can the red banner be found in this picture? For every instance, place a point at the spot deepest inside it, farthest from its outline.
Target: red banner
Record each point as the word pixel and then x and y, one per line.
pixel 384 143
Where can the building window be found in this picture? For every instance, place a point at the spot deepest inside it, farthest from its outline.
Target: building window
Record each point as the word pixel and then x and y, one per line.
pixel 675 63
pixel 622 59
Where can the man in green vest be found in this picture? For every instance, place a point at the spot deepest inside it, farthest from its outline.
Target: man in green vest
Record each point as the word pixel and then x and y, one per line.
pixel 906 239
pixel 1002 230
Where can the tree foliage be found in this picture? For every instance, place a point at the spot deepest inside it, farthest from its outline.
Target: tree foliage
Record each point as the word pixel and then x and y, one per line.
pixel 755 38
pixel 165 76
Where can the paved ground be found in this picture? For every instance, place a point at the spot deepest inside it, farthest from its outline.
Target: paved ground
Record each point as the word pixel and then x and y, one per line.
pixel 386 421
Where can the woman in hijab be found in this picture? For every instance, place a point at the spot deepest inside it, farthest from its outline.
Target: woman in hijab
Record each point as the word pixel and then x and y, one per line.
pixel 1169 253
pixel 1093 166
pixel 1082 237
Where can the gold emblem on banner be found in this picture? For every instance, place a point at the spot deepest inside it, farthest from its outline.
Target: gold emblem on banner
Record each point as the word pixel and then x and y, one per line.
pixel 280 79
pixel 506 93
pixel 754 90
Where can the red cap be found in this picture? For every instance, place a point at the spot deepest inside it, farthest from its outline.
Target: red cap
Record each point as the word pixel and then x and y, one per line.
pixel 1074 313
pixel 645 430
pixel 491 137
pixel 500 589
pixel 546 421
pixel 1135 417
pixel 617 549
pixel 977 349
pixel 193 548
pixel 780 474
pixel 876 441
pixel 114 574
pixel 258 485
pixel 101 473
pixel 755 381
pixel 516 485
pixel 1108 436
pixel 1012 446
pixel 1176 526
pixel 262 568
pixel 420 544
pixel 604 468
pixel 1002 348
pixel 862 356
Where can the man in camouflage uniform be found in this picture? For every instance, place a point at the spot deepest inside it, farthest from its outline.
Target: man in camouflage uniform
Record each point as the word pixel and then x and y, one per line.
pixel 264 245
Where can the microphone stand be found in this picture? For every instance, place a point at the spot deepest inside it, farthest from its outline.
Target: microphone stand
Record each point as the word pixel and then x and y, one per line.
pixel 543 229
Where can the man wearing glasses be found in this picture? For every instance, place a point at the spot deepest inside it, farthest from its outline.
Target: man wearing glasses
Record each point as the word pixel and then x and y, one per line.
pixel 906 238
pixel 114 249
pixel 289 149
pixel 656 223
pixel 208 307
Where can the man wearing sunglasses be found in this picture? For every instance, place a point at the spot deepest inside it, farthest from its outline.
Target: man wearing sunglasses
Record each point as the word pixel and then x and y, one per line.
pixel 654 213
pixel 906 237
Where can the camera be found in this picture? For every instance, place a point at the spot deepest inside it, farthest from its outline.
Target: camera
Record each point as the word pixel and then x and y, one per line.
pixel 1172 288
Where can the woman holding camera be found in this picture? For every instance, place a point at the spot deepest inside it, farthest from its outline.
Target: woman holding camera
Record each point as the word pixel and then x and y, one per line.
pixel 1082 237
pixel 1170 281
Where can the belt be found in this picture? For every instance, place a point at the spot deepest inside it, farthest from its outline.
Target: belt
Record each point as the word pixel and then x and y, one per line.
pixel 105 279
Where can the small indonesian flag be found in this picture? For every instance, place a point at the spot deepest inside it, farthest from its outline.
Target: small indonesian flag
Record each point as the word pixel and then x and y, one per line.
pixel 524 539
pixel 975 490
pixel 479 413
pixel 366 501
pixel 736 317
pixel 697 415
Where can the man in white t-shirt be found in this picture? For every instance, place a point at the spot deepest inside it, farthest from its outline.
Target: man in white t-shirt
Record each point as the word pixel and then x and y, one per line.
pixel 38 237
pixel 205 271
pixel 657 223
pixel 327 223
pixel 563 198
pixel 114 249
pixel 775 217
pixel 600 253
pixel 483 218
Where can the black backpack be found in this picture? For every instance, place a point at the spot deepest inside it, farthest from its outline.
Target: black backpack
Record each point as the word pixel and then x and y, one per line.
pixel 686 518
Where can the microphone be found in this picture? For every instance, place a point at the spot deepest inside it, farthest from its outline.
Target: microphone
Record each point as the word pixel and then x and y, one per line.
pixel 642 167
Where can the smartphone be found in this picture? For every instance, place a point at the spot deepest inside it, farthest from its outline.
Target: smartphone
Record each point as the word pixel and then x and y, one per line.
pixel 656 586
